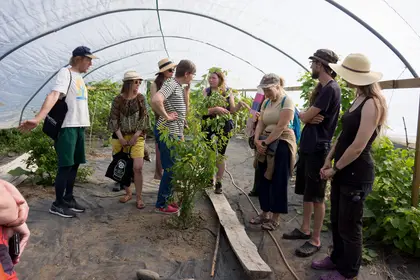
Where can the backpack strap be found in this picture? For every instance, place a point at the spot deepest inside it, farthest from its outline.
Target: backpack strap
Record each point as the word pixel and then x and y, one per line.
pixel 265 103
pixel 68 88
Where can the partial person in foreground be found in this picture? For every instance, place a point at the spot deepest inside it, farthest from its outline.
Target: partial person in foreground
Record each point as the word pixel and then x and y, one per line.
pixel 276 148
pixel 13 215
pixel 166 71
pixel 128 123
pixel 320 123
pixel 171 104
pixel 70 144
pixel 352 175
pixel 218 85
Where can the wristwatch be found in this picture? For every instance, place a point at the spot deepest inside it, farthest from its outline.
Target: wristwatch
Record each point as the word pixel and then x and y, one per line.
pixel 335 168
pixel 263 144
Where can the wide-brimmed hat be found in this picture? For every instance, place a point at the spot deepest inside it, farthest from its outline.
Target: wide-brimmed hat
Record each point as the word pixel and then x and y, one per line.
pixel 269 80
pixel 165 64
pixel 325 56
pixel 131 75
pixel 355 69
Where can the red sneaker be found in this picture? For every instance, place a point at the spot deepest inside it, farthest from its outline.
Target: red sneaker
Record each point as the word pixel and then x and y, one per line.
pixel 174 205
pixel 169 210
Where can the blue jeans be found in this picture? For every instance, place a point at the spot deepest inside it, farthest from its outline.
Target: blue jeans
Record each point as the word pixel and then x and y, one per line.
pixel 165 187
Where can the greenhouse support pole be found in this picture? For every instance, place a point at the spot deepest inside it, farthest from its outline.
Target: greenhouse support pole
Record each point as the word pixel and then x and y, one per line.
pixel 416 175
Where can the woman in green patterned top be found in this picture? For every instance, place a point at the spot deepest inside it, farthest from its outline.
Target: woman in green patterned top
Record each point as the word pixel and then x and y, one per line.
pixel 128 122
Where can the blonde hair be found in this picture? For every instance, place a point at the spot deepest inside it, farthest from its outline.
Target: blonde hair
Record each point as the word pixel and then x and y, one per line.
pixel 74 60
pixel 282 81
pixel 374 91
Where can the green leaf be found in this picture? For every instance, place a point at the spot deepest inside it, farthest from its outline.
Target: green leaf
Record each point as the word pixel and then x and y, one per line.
pixel 18 172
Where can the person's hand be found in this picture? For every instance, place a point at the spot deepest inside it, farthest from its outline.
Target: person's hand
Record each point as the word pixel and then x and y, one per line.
pixel 172 116
pixel 327 174
pixel 257 115
pixel 244 105
pixel 133 140
pixel 24 235
pixel 317 119
pixel 221 111
pixel 123 142
pixel 260 148
pixel 22 214
pixel 187 87
pixel 28 125
pixel 327 165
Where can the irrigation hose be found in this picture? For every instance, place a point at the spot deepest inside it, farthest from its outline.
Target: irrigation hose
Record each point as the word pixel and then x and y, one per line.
pixel 270 233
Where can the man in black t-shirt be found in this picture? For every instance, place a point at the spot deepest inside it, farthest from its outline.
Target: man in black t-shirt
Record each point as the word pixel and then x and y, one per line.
pixel 320 124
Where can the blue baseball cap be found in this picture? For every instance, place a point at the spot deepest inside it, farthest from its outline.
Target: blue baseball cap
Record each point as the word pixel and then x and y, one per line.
pixel 83 51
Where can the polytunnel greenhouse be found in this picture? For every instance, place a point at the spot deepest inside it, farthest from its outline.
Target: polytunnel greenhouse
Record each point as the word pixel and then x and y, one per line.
pixel 247 39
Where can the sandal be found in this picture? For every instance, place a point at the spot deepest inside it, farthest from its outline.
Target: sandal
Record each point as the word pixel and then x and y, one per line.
pixel 139 203
pixel 307 250
pixel 126 198
pixel 270 225
pixel 296 234
pixel 259 220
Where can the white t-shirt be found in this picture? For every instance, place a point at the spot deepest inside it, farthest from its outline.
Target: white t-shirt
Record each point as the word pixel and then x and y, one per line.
pixel 76 99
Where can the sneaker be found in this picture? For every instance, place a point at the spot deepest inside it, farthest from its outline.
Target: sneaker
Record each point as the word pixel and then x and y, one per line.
pixel 218 189
pixel 74 206
pixel 335 275
pixel 61 210
pixel 169 210
pixel 174 205
pixel 325 264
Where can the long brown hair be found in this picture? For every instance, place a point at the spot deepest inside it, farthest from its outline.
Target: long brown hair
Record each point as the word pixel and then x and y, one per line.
pixel 222 80
pixel 374 91
pixel 159 81
pixel 127 87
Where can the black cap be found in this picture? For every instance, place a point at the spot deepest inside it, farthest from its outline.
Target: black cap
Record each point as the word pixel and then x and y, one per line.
pixel 325 56
pixel 83 51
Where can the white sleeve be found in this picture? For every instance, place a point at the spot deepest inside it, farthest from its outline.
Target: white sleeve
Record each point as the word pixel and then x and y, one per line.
pixel 62 82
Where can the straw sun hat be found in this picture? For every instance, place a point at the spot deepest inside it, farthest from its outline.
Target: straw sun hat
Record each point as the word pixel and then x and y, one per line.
pixel 165 64
pixel 355 69
pixel 131 75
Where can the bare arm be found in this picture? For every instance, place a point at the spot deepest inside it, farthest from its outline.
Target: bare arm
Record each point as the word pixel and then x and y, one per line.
pixel 8 207
pixel 309 114
pixel 157 105
pixel 286 115
pixel 368 124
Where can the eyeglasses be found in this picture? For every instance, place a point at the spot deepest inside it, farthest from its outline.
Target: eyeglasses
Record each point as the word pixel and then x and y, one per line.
pixel 137 82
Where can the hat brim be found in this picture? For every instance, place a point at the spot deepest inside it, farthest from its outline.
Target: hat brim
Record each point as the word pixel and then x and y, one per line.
pixel 262 86
pixel 167 67
pixel 91 56
pixel 356 78
pixel 133 79
pixel 323 61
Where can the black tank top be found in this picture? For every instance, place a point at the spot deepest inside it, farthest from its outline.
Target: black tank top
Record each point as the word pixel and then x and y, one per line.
pixel 361 170
pixel 209 92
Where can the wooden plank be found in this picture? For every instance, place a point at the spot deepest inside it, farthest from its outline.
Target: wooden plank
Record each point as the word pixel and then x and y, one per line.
pixel 17 162
pixel 244 248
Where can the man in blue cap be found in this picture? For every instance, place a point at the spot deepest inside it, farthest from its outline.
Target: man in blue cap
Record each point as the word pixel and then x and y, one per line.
pixel 70 143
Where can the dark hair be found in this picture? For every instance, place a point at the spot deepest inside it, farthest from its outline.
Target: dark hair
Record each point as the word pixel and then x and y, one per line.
pixel 127 86
pixel 184 66
pixel 159 81
pixel 314 94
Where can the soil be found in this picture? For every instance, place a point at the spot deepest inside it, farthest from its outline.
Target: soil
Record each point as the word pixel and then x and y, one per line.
pixel 112 240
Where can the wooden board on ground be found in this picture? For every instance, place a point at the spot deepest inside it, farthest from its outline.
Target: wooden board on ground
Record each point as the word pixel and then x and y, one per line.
pixel 244 248
pixel 17 162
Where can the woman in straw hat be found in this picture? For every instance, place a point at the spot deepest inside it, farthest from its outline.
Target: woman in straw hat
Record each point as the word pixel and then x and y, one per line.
pixel 353 172
pixel 128 121
pixel 166 71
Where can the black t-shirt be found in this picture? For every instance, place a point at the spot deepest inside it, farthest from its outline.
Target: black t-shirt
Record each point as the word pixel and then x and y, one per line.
pixel 317 136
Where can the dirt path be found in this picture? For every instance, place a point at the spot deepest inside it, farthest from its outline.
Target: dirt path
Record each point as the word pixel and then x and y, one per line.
pixel 112 240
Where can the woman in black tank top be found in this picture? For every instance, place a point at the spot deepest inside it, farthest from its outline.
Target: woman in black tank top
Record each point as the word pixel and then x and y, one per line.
pixel 353 172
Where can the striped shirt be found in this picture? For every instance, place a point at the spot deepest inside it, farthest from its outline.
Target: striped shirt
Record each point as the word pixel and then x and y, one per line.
pixel 174 102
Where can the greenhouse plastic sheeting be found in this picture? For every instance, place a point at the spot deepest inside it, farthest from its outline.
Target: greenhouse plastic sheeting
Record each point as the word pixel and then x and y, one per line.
pixel 247 38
